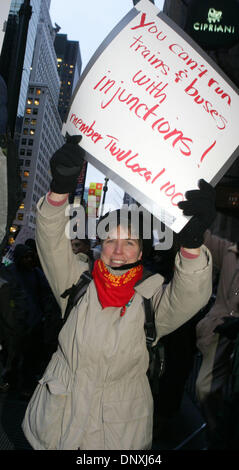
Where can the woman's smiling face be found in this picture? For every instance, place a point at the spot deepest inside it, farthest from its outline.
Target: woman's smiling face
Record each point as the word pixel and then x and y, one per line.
pixel 119 248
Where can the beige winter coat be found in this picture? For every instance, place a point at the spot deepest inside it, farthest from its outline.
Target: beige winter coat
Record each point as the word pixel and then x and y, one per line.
pixel 94 393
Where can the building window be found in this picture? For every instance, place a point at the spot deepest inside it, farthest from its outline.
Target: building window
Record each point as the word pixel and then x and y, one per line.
pixel 31 91
pixel 21 206
pixel 21 162
pixel 27 162
pixel 28 111
pixel 32 131
pixel 29 101
pixel 38 91
pixel 24 184
pixel 24 141
pixel 20 216
pixel 22 151
pixel 26 173
pixel 27 120
pixel 25 131
pixel 35 111
pixel 29 153
pixel 36 102
pixel 33 122
pixel 30 141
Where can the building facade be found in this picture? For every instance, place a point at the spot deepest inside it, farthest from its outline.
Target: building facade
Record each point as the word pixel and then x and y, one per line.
pixel 31 36
pixel 69 65
pixel 41 128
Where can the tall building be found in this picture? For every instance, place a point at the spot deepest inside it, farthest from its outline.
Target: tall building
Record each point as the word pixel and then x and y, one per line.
pixel 31 36
pixel 69 65
pixel 44 64
pixel 41 128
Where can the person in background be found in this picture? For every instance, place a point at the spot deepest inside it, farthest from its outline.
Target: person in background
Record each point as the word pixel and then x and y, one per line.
pixel 35 347
pixel 5 355
pixel 226 436
pixel 96 248
pixel 217 348
pixel 95 393
pixel 81 248
pixel 31 244
pixel 13 312
pixel 52 323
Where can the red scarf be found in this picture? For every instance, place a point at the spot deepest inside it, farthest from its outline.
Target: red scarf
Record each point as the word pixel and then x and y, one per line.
pixel 115 291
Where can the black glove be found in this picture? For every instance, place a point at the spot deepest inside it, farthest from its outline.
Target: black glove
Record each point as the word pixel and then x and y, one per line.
pixel 200 204
pixel 230 327
pixel 66 165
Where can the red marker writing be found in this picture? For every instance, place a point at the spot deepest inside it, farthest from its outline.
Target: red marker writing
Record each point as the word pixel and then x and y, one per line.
pixel 206 152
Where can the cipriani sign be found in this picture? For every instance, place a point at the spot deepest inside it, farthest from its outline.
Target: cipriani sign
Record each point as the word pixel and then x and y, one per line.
pixel 214 17
pixel 213 24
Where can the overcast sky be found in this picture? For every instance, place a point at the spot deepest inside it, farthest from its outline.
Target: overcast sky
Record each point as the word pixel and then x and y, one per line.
pixel 89 22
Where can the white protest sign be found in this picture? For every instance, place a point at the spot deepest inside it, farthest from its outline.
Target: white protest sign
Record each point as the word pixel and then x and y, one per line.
pixel 155 115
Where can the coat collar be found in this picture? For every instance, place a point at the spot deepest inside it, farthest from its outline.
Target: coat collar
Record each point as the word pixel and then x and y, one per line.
pixel 149 284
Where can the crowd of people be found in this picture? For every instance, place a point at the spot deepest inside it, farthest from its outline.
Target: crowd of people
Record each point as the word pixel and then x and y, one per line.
pixel 30 321
pixel 86 378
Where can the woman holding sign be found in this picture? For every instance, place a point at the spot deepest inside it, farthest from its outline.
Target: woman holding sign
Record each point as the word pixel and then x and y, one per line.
pixel 95 394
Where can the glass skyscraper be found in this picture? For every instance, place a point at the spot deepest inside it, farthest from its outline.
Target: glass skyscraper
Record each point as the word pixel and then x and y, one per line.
pixel 31 36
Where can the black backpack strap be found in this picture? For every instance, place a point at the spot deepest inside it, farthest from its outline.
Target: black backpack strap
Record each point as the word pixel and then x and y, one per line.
pixel 149 325
pixel 75 292
pixel 156 352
